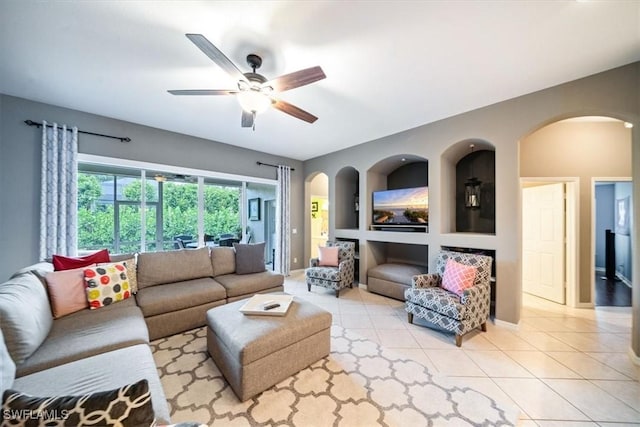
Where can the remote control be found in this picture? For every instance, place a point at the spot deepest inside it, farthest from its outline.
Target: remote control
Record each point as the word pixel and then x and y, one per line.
pixel 271 306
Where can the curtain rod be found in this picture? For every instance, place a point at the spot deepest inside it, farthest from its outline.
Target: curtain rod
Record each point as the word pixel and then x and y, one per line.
pixel 125 139
pixel 267 164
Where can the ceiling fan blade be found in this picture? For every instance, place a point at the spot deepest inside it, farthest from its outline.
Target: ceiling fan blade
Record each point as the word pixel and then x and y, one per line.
pixel 202 92
pixel 216 56
pixel 296 79
pixel 294 111
pixel 247 119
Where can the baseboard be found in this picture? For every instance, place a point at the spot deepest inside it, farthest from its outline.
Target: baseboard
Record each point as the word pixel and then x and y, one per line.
pixel 634 359
pixel 508 325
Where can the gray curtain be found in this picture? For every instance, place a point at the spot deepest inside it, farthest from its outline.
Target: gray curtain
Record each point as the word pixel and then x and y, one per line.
pixel 283 226
pixel 58 191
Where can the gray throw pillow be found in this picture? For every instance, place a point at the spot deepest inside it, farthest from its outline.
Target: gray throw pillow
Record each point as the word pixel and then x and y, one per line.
pixel 249 258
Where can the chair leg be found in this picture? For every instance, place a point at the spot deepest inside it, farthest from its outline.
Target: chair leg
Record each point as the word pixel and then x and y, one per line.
pixel 483 327
pixel 458 340
pixel 410 317
pixel 337 293
pixel 308 287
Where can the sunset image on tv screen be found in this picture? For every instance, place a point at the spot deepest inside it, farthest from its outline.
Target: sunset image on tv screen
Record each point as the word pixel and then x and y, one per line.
pixel 403 206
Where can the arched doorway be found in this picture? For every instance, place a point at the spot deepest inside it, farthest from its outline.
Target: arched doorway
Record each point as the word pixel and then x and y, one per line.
pixel 570 154
pixel 317 213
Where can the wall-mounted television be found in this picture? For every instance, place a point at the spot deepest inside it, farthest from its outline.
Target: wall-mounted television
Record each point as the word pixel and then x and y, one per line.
pixel 403 206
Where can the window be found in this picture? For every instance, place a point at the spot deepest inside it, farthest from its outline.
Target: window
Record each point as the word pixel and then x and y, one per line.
pixel 115 210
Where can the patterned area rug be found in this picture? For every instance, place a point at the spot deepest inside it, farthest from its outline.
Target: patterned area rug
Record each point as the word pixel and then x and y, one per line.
pixel 359 384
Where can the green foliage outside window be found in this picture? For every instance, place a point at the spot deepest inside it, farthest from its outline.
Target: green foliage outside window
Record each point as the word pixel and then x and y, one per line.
pixel 97 223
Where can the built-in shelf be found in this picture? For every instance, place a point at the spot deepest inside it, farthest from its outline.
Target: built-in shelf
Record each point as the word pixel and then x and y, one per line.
pixel 397 237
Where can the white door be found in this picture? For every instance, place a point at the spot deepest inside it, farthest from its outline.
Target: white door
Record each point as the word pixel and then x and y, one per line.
pixel 543 234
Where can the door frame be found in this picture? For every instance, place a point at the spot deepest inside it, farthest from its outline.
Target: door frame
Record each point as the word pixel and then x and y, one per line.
pixel 593 225
pixel 572 235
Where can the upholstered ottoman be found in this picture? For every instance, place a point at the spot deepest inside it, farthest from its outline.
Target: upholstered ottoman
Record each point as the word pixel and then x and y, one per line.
pixel 256 352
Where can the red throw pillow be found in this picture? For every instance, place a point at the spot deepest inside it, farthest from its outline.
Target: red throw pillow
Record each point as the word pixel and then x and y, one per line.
pixel 458 277
pixel 328 256
pixel 61 262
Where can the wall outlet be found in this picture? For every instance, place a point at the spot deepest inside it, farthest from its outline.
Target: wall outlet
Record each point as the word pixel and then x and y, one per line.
pixel 295 260
pixel 294 231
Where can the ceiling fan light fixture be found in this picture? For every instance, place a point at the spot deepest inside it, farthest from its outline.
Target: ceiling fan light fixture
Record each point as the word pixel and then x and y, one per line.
pixel 252 101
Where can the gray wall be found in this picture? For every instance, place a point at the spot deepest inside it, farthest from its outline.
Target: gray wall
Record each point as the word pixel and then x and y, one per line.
pixel 623 242
pixel 443 143
pixel 604 220
pixel 20 168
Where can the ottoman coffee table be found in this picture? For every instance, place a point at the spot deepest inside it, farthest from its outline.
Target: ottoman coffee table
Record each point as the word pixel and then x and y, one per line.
pixel 256 352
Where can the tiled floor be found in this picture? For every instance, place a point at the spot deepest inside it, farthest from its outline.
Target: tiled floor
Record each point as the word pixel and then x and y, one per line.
pixel 561 366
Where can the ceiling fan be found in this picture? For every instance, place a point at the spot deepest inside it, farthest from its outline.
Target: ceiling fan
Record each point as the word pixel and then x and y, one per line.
pixel 255 92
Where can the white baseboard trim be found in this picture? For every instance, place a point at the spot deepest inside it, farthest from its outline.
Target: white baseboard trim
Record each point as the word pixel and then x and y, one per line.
pixel 634 359
pixel 509 325
pixel 589 305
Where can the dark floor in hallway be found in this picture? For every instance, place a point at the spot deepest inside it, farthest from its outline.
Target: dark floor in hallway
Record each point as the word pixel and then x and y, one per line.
pixel 611 292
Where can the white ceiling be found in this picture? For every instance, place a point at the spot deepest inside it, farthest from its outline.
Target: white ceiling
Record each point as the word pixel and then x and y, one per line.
pixel 390 65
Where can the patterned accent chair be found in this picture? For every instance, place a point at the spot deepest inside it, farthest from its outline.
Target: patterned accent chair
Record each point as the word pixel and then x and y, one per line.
pixel 426 298
pixel 333 277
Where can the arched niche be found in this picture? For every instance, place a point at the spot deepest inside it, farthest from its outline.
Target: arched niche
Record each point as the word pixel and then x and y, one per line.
pixel 399 171
pixel 460 163
pixel 347 198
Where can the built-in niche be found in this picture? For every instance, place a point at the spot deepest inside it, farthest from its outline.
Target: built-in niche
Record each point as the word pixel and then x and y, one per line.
pixel 403 253
pixel 347 198
pixel 488 252
pixel 475 192
pixel 394 173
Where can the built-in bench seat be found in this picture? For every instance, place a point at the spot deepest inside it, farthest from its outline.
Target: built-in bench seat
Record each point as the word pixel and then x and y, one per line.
pixel 391 279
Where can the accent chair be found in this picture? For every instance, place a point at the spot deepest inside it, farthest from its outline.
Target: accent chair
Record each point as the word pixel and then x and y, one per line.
pixel 458 311
pixel 333 277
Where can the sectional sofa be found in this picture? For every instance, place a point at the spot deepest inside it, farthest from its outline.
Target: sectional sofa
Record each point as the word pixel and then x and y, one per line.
pixel 94 350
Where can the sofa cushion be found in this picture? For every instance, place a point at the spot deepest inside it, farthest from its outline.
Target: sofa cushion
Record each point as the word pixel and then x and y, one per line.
pixel 66 292
pixel 223 260
pixel 106 284
pixel 177 296
pixel 249 258
pixel 249 284
pixel 61 262
pixel 97 373
pixel 126 406
pixel 7 367
pixel 157 268
pixel 87 333
pixel 396 272
pixel 26 315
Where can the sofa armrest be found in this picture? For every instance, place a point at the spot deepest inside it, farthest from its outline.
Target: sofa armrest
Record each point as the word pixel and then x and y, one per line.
pixel 314 262
pixel 426 281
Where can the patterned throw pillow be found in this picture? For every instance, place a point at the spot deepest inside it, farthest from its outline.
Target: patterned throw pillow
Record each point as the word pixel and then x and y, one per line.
pixel 126 406
pixel 328 256
pixel 458 277
pixel 132 272
pixel 106 284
